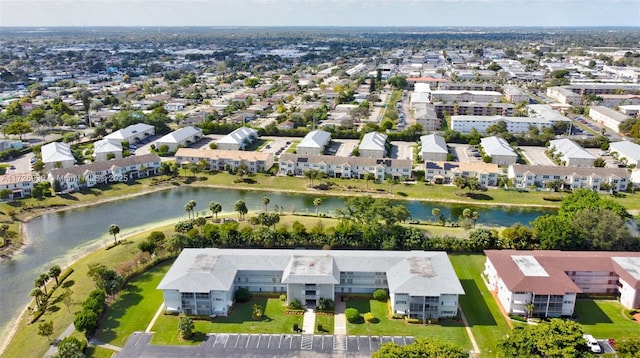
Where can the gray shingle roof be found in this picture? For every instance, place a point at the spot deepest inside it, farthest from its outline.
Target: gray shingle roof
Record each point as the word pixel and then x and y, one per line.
pixel 315 139
pixel 373 141
pixel 433 143
pixel 497 146
pixel 626 148
pixel 570 149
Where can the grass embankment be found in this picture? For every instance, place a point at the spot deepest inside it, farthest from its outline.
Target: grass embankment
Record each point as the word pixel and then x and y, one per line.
pixel 447 331
pixel 26 342
pixel 483 314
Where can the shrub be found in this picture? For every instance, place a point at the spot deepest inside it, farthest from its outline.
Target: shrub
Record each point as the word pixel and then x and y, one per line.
pixel 370 317
pixel 325 304
pixel 413 320
pixel 86 321
pixel 515 317
pixel 242 295
pixel 380 295
pixel 295 305
pixel 352 315
pixel 283 298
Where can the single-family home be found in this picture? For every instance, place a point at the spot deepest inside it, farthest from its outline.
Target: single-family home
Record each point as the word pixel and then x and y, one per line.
pixel 570 154
pixel 553 280
pixel 373 145
pixel 239 139
pixel 499 150
pixel 314 143
pixel 421 284
pixel 182 137
pixel 226 159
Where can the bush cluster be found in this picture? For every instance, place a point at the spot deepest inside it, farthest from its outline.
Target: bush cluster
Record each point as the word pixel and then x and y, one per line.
pixel 352 315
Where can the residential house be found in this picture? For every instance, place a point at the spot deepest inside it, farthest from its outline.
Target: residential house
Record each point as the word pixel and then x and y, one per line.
pixel 499 150
pixel 341 167
pixel 627 151
pixel 117 170
pixel 106 149
pixel 239 139
pixel 373 145
pixel 57 155
pixel 314 143
pixel 434 148
pixel 553 280
pixel 226 159
pixel 421 284
pixel 439 172
pixel 182 137
pixel 525 176
pixel 570 154
pixel 134 133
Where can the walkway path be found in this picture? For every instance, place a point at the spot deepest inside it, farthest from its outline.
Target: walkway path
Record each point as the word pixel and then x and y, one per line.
pixel 476 349
pixel 97 343
pixel 309 322
pixel 339 319
pixel 155 317
pixel 54 346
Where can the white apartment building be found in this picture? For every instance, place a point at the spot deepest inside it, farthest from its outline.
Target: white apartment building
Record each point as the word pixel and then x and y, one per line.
pixel 571 154
pixel 525 176
pixel 19 184
pixel 627 151
pixel 499 150
pixel 239 139
pixel 179 138
pixel 117 170
pixel 616 100
pixel 473 109
pixel 314 143
pixel 564 95
pixel 434 148
pixel 425 115
pixel 226 159
pixel 515 125
pixel 607 117
pixel 547 112
pixel 438 172
pixel 421 284
pixel 104 148
pixel 373 145
pixel 552 280
pixel 57 155
pixel 341 167
pixel 133 133
pixel 515 94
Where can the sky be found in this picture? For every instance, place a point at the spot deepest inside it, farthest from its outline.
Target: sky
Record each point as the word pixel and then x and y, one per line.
pixel 44 13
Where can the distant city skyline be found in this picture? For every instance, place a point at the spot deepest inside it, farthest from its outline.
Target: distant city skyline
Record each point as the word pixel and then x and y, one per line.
pixel 459 13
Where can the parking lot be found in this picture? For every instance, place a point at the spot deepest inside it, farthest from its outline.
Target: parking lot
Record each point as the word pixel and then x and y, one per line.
pixel 263 345
pixel 401 150
pixel 464 153
pixel 536 156
pixel 342 147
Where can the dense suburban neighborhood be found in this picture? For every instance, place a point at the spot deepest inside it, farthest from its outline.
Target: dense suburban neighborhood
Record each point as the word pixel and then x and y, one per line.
pixel 535 119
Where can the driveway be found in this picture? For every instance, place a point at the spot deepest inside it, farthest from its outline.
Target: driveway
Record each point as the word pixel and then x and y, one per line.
pixel 536 156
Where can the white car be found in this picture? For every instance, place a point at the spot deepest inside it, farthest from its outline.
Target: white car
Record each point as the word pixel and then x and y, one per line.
pixel 592 343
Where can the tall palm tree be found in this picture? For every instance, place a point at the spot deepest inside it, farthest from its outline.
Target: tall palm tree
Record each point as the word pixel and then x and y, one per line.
pixel 54 272
pixel 42 282
pixel 37 294
pixel 215 208
pixel 266 202
pixel 114 230
pixel 241 207
pixel 317 202
pixel 475 216
pixel 189 206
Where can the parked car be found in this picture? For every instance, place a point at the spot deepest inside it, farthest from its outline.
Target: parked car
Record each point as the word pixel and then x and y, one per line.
pixel 592 343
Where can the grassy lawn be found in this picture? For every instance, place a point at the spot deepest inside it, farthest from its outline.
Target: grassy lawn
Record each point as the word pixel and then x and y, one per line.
pixel 448 331
pixel 239 321
pixel 327 322
pixel 481 310
pixel 135 307
pixel 27 342
pixel 605 319
pixel 98 352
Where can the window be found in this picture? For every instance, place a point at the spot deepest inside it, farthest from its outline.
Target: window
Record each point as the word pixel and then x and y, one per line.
pixel 401 302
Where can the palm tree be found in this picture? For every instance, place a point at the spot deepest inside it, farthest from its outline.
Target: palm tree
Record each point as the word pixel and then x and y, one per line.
pixel 114 230
pixel 37 294
pixel 317 202
pixel 435 212
pixel 189 206
pixel 266 202
pixel 42 282
pixel 54 272
pixel 475 216
pixel 215 208
pixel 241 207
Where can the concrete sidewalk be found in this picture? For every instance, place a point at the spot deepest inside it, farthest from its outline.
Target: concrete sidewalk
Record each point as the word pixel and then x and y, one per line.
pixel 309 322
